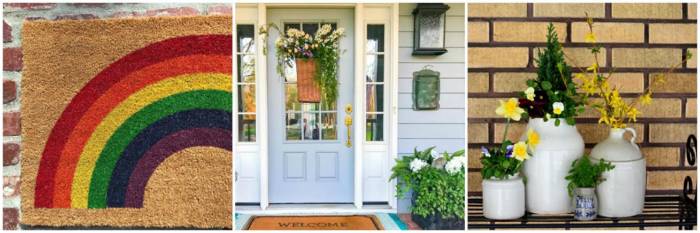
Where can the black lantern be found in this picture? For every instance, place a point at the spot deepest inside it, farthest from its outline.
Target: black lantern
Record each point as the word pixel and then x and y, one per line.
pixel 426 89
pixel 429 29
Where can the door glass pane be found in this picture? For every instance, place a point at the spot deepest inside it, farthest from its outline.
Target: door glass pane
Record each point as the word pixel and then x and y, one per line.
pixel 291 98
pixel 374 127
pixel 246 43
pixel 375 98
pixel 310 126
pixel 246 98
pixel 246 127
pixel 328 124
pixel 309 107
pixel 293 126
pixel 326 106
pixel 375 38
pixel 288 26
pixel 374 68
pixel 310 28
pixel 246 68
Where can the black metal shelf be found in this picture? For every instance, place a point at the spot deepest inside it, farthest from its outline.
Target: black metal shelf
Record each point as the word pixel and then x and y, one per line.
pixel 659 211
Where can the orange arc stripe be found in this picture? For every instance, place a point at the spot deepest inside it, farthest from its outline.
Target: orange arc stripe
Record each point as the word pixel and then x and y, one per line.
pixel 116 94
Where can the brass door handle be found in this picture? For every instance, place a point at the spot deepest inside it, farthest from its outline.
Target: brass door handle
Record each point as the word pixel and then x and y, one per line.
pixel 348 123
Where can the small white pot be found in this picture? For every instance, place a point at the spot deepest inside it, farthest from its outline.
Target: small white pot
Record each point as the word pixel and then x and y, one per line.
pixel 622 192
pixel 559 146
pixel 503 199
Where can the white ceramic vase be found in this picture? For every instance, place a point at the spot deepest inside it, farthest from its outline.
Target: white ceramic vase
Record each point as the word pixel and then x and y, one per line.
pixel 559 146
pixel 503 199
pixel 622 192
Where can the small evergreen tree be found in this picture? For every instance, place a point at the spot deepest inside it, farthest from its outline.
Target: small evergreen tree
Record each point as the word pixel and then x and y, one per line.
pixel 553 84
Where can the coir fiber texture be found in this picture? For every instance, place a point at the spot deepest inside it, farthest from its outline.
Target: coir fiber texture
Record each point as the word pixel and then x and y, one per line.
pixel 127 123
pixel 330 222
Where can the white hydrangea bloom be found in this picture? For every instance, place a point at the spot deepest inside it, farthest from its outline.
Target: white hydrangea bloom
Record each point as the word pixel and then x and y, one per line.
pixel 455 165
pixel 417 164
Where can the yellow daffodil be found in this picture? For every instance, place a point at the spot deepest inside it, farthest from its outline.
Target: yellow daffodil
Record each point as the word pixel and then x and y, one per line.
pixel 530 93
pixel 645 99
pixel 510 109
pixel 590 38
pixel 557 107
pixel 520 151
pixel 532 138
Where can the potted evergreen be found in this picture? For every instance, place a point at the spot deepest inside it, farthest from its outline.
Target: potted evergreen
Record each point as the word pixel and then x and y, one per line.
pixel 551 103
pixel 583 178
pixel 437 181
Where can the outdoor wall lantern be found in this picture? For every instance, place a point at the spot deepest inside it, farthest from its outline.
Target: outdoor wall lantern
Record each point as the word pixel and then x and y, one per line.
pixel 429 29
pixel 426 89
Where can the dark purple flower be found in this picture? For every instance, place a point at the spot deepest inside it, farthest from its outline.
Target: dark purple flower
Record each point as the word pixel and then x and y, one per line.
pixel 485 151
pixel 509 151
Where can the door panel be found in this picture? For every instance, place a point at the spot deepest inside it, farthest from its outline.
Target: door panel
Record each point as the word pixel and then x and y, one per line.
pixel 308 159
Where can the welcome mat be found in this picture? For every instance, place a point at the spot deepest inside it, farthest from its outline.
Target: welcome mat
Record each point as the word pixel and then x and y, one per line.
pixel 327 222
pixel 127 123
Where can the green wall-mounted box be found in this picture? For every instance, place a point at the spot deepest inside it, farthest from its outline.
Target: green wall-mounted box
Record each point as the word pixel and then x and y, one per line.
pixel 426 90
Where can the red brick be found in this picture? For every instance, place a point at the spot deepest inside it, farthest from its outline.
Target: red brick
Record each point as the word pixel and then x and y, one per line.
pixel 31 6
pixel 406 218
pixel 12 59
pixel 32 18
pixel 88 5
pixel 180 11
pixel 11 186
pixel 124 14
pixel 10 154
pixel 11 124
pixel 10 218
pixel 9 91
pixel 220 10
pixel 6 32
pixel 76 17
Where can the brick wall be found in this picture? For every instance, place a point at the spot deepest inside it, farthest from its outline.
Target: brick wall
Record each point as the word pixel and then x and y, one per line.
pixel 14 15
pixel 639 40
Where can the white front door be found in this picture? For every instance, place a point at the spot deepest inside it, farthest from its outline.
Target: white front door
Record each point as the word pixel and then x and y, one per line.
pixel 309 161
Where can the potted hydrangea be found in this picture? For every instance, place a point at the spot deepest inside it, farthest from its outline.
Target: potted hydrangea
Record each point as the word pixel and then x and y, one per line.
pixel 503 186
pixel 437 181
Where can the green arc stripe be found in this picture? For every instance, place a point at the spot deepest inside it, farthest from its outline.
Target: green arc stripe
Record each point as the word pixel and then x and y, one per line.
pixel 122 137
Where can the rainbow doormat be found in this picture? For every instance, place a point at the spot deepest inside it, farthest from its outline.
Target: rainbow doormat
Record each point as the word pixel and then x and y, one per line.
pixel 127 123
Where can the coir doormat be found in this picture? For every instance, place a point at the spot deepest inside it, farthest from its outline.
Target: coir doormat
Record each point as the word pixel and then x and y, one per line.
pixel 127 123
pixel 328 222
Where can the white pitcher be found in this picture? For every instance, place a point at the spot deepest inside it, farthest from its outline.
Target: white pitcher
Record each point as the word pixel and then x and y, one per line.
pixel 559 146
pixel 622 192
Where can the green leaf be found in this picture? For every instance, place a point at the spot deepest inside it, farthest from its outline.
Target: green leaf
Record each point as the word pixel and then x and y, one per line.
pixel 546 85
pixel 557 122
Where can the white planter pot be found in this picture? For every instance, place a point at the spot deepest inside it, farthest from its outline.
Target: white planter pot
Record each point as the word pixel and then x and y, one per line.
pixel 503 199
pixel 559 146
pixel 622 192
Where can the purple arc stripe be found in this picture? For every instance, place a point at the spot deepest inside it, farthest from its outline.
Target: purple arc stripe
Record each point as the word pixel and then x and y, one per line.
pixel 166 147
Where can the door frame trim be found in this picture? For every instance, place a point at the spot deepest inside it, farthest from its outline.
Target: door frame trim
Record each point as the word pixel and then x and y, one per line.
pixel 359 116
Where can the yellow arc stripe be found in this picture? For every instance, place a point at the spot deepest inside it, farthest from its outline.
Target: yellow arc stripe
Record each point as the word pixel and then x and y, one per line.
pixel 134 103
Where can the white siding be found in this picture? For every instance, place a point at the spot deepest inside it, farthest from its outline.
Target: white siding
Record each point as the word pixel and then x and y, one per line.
pixel 444 128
